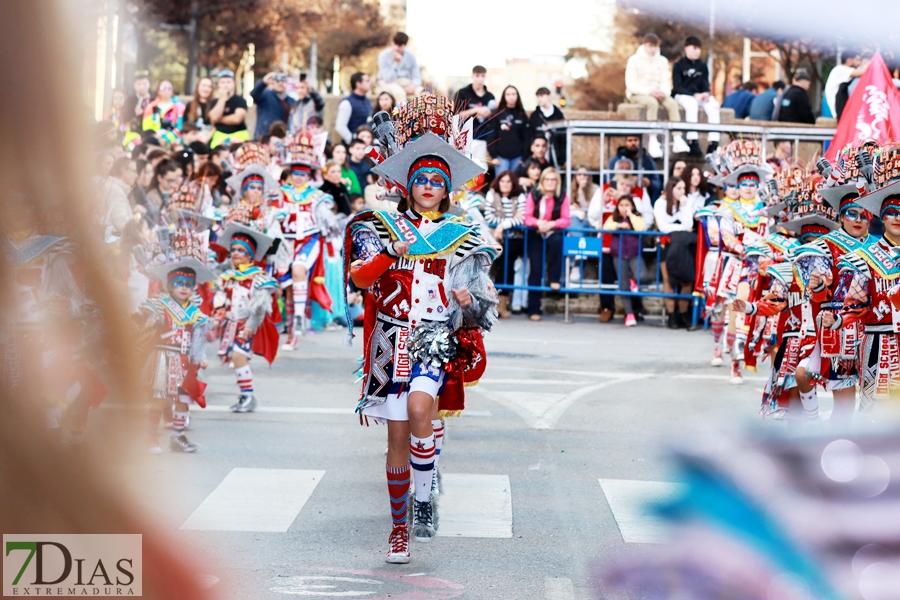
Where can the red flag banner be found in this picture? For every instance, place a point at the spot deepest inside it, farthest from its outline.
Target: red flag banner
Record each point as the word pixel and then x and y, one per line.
pixel 872 111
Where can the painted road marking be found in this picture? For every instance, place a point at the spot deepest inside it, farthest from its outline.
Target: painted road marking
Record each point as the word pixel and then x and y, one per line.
pixel 496 367
pixel 300 410
pixel 475 506
pixel 352 583
pixel 559 588
pixel 318 585
pixel 255 500
pixel 543 410
pixel 715 377
pixel 632 503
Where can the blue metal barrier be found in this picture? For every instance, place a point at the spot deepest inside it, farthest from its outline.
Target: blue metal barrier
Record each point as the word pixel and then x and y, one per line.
pixel 588 243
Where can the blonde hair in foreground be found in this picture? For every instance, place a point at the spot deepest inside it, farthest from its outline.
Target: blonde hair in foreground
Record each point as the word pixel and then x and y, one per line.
pixel 48 488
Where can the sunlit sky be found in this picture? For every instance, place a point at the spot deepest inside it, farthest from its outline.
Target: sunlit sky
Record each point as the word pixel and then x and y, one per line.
pixel 449 38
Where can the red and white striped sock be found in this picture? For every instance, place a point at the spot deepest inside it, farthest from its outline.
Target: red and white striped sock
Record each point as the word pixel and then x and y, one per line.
pixel 438 426
pixel 289 320
pixel 398 490
pixel 179 418
pixel 244 379
pixel 300 292
pixel 717 328
pixel 421 458
pixel 729 341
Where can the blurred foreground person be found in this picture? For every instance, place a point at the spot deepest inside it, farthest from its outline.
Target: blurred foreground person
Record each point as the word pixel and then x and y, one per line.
pixel 59 490
pixel 764 518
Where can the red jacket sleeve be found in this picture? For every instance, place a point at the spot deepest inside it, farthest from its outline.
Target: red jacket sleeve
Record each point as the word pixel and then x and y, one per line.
pixel 365 274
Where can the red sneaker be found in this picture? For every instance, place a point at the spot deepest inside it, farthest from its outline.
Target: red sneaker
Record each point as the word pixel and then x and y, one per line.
pixel 398 553
pixel 717 356
pixel 736 377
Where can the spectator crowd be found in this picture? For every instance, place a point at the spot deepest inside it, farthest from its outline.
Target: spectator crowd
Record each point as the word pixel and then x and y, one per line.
pixel 157 143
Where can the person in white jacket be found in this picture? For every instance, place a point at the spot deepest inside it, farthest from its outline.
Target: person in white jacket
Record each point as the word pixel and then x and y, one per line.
pixel 672 216
pixel 649 83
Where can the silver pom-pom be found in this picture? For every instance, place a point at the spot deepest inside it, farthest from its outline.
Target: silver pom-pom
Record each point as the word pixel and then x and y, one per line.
pixel 432 344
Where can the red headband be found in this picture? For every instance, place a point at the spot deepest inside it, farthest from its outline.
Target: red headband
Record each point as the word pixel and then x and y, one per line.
pixel 744 176
pixel 185 272
pixel 429 164
pixel 891 202
pixel 251 179
pixel 244 240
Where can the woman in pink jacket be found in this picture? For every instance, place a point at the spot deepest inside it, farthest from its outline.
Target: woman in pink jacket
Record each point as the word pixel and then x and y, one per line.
pixel 547 216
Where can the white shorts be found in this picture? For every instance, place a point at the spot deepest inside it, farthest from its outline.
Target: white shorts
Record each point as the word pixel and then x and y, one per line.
pixel 396 407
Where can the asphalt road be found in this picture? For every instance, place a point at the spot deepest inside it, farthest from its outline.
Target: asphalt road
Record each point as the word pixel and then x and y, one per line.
pixel 291 500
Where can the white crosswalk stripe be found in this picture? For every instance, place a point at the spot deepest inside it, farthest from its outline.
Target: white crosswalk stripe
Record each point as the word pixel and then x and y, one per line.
pixel 632 503
pixel 475 505
pixel 255 500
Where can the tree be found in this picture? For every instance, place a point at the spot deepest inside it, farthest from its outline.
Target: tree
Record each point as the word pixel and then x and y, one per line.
pixel 215 33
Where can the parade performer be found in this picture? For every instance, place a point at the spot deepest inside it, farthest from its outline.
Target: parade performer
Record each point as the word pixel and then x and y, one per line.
pixel 242 308
pixel 307 218
pixel 252 183
pixel 710 262
pixel 427 274
pixel 182 211
pixel 837 349
pixel 777 246
pixel 46 338
pixel 868 290
pixel 178 330
pixel 743 223
pixel 790 389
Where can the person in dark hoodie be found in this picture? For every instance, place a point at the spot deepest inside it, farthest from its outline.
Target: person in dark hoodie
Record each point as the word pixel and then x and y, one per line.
pixel 690 88
pixel 633 151
pixel 795 106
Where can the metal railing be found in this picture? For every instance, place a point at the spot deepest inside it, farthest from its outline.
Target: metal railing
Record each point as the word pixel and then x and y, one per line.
pixel 603 129
pixel 653 288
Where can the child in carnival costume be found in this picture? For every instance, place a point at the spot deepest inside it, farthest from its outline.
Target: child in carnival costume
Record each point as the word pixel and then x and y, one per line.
pixel 710 261
pixel 716 265
pixel 743 222
pixel 178 330
pixel 778 245
pixel 790 390
pixel 252 183
pixel 837 350
pixel 242 308
pixel 426 273
pixel 307 217
pixel 868 289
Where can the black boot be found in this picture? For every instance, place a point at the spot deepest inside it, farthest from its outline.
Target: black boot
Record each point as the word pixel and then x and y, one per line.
pixel 682 320
pixel 694 145
pixel 671 320
pixel 713 146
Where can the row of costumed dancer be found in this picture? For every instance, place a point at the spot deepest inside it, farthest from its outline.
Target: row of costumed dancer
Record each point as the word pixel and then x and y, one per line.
pixel 791 273
pixel 235 277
